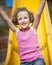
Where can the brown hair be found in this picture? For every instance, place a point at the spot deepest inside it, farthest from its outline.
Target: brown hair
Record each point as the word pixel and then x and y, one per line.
pixel 14 16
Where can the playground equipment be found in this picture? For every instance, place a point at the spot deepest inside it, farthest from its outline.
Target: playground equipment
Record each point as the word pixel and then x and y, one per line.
pixel 44 33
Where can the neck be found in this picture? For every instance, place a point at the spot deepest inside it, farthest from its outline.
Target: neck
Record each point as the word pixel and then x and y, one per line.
pixel 25 29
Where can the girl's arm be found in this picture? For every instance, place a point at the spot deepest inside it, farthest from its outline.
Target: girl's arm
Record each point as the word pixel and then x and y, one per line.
pixel 37 17
pixel 8 20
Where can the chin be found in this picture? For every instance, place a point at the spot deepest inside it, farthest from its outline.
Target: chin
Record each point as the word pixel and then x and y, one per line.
pixel 24 26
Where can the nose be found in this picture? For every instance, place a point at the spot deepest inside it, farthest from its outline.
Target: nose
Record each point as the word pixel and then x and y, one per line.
pixel 23 20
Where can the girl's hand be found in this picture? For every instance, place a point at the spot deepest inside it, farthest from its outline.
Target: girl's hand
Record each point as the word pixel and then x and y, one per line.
pixel 40 10
pixel 36 21
pixel 41 7
pixel 7 20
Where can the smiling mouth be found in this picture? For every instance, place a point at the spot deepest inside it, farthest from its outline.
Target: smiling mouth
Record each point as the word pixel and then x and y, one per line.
pixel 24 23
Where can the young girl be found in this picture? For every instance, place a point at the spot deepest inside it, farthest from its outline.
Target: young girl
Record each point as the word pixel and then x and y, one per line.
pixel 28 47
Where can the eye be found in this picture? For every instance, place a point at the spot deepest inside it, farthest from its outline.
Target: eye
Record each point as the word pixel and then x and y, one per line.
pixel 25 17
pixel 20 19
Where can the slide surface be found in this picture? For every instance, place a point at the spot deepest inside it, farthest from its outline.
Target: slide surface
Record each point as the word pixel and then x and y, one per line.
pixel 44 33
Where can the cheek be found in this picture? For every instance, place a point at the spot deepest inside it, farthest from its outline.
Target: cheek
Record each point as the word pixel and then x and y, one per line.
pixel 19 22
pixel 28 20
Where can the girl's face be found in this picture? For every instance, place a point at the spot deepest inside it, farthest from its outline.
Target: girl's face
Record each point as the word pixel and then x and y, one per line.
pixel 23 19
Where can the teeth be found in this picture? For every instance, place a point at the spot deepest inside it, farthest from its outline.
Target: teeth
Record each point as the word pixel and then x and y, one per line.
pixel 23 23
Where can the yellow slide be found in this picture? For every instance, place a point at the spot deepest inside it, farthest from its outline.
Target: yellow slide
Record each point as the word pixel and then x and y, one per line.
pixel 48 32
pixel 44 33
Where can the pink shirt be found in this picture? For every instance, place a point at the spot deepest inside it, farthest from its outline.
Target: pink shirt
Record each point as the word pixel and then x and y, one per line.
pixel 28 46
